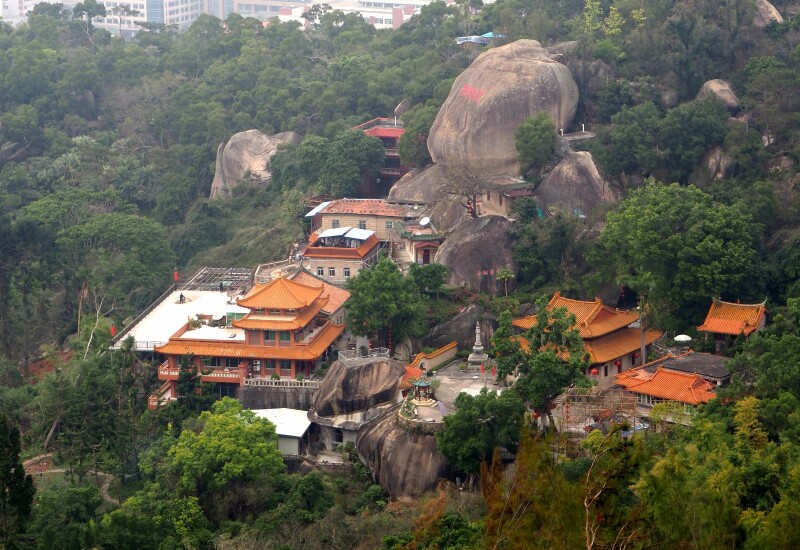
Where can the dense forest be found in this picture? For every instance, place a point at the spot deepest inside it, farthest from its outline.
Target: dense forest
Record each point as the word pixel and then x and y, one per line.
pixel 107 151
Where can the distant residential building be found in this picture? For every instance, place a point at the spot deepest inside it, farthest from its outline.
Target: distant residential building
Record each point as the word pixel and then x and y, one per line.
pixel 613 345
pixel 340 253
pixel 180 13
pixel 727 320
pixel 377 215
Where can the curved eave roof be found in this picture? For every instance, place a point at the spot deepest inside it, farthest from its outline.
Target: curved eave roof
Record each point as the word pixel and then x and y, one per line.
pixel 299 352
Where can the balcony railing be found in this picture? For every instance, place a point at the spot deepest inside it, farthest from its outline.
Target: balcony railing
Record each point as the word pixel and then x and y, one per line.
pixel 390 171
pixel 281 383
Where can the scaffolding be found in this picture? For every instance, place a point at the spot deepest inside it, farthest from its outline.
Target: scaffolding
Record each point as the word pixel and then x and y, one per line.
pixel 581 410
pixel 210 278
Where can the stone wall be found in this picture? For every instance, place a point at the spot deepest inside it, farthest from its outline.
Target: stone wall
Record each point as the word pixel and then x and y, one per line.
pixel 255 397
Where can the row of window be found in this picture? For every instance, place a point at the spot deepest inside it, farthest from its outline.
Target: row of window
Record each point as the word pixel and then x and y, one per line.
pixel 362 224
pixel 332 272
pixel 269 364
pixel 270 335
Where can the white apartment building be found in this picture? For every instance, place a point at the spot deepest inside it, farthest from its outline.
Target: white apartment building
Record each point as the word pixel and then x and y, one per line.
pixel 180 13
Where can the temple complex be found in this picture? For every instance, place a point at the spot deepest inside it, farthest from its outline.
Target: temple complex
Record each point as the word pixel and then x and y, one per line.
pixel 727 320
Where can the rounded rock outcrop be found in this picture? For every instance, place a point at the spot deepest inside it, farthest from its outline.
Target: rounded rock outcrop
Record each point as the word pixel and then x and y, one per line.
pixel 574 184
pixel 474 252
pixel 350 389
pixel 765 14
pixel 404 463
pixel 475 127
pixel 246 156
pixel 722 91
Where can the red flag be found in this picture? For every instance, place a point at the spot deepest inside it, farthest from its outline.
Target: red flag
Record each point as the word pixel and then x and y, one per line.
pixel 113 331
pixel 175 275
pixel 481 368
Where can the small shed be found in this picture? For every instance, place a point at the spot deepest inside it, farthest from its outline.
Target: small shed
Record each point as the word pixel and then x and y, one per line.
pixel 291 425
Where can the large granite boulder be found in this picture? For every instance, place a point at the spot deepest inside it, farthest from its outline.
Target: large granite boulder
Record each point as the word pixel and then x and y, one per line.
pixel 574 184
pixel 475 127
pixel 475 250
pixel 246 156
pixel 350 389
pixel 418 185
pixel 404 463
pixel 765 14
pixel 722 91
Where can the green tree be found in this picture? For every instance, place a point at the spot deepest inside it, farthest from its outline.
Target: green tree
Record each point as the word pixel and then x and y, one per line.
pixel 230 444
pixel 352 155
pixel 506 347
pixel 478 426
pixel 413 144
pixel 428 279
pixel 16 487
pixel 62 519
pixel 384 303
pixel 535 141
pixel 677 243
pixel 556 358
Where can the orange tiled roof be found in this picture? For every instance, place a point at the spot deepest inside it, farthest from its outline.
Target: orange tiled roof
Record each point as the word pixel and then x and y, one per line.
pixel 365 207
pixel 733 319
pixel 280 293
pixel 336 296
pixel 611 346
pixel 667 384
pixel 230 349
pixel 342 253
pixel 593 319
pixel 261 321
pixel 617 344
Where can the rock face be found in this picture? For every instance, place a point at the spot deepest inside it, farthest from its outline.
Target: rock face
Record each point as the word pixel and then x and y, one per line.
pixel 765 14
pixel 574 184
pixel 462 328
pixel 721 90
pixel 347 390
pixel 246 154
pixel 403 463
pixel 718 163
pixel 475 127
pixel 419 185
pixel 475 250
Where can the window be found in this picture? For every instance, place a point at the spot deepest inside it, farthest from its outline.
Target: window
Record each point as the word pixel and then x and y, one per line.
pixel 269 337
pixel 362 224
pixel 286 364
pixel 346 271
pixel 214 362
pixel 321 271
pixel 269 364
pixel 389 225
pixel 284 336
pixel 331 272
pixel 231 362
pixel 334 223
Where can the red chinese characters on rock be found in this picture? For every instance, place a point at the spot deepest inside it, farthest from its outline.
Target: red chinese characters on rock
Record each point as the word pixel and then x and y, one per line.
pixel 471 93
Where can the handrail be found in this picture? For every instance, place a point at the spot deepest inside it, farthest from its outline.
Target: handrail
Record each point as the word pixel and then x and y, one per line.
pixel 270 382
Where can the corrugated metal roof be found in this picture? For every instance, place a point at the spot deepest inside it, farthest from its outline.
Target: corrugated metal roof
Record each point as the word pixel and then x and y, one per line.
pixel 334 232
pixel 359 234
pixel 288 422
pixel 316 209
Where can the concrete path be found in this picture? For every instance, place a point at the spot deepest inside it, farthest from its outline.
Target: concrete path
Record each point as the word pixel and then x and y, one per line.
pixel 43 464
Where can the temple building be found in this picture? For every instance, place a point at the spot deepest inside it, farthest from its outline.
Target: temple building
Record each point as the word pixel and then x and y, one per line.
pixel 727 320
pixel 612 343
pixel 389 131
pixel 288 327
pixel 660 385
